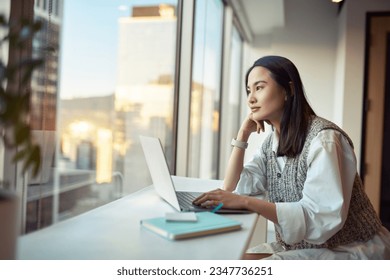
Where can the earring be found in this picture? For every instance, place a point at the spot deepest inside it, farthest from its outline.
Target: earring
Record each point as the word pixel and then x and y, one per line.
pixel 285 97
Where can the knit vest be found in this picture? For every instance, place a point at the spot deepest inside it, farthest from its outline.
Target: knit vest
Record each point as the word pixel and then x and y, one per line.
pixel 362 222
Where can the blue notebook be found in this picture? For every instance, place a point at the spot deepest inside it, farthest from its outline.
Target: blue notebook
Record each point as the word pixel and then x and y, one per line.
pixel 207 223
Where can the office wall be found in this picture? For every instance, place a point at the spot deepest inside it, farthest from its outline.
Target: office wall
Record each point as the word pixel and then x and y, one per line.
pixel 350 66
pixel 309 39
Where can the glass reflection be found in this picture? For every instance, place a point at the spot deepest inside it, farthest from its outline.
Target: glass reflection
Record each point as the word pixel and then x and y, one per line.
pixel 205 91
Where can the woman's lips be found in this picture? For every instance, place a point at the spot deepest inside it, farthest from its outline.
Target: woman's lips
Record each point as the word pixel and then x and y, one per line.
pixel 255 109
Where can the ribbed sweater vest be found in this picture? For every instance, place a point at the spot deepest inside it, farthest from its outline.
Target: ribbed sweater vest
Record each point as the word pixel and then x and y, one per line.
pixel 362 222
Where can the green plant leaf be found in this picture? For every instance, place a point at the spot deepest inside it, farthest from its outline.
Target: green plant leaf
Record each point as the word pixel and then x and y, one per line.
pixel 15 93
pixel 32 156
pixel 33 160
pixel 29 65
pixel 2 71
pixel 22 133
pixel 3 21
pixel 37 26
pixel 20 154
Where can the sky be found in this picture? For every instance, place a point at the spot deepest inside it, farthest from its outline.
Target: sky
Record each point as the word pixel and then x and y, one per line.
pixel 88 63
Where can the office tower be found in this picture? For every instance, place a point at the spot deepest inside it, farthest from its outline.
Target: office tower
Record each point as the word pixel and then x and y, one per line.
pixel 144 93
pixel 44 82
pixel 45 79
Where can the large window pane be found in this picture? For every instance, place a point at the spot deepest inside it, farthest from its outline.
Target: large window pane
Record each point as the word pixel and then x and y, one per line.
pixel 231 113
pixel 205 91
pixel 110 79
pixel 235 91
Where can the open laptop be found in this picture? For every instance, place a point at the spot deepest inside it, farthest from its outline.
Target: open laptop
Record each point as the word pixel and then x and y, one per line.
pixel 163 184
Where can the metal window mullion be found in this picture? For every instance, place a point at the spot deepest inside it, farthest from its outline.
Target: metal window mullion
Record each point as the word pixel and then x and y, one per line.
pixel 184 86
pixel 223 140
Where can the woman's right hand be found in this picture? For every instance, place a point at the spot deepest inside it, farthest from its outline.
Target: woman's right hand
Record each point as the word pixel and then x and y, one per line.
pixel 250 125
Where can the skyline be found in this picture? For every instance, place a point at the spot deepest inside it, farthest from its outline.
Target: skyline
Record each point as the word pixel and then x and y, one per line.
pixel 89 67
pixel 142 96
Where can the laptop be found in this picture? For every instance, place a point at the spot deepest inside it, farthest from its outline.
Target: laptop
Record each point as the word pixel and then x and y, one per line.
pixel 163 183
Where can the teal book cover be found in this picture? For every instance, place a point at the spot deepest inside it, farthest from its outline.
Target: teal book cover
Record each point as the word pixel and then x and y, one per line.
pixel 207 223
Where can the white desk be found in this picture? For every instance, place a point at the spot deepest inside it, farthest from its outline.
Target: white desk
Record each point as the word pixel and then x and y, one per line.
pixel 113 232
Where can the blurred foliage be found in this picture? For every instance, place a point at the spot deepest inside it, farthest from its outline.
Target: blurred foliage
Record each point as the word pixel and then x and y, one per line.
pixel 15 93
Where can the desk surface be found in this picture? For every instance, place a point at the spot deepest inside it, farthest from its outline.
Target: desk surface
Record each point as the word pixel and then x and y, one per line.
pixel 113 232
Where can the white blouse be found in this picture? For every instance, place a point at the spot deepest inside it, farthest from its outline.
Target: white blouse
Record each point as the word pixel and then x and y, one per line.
pixel 326 195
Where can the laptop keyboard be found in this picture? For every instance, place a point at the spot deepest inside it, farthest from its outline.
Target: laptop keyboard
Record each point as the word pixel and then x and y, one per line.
pixel 186 199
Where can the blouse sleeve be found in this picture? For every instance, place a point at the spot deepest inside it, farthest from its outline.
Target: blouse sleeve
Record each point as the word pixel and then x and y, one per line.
pixel 253 179
pixel 323 209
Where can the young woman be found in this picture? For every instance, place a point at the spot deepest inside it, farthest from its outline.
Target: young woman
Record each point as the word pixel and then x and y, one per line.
pixel 307 168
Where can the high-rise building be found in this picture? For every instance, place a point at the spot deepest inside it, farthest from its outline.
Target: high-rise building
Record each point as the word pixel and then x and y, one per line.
pixel 144 94
pixel 45 79
pixel 44 82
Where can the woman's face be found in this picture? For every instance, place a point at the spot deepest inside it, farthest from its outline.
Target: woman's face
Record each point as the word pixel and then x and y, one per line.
pixel 266 98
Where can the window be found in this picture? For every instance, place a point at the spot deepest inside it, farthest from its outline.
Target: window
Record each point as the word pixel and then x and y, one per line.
pixel 108 77
pixel 111 93
pixel 205 89
pixel 232 96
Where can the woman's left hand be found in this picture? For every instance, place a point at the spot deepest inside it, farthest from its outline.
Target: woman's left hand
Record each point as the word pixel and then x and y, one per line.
pixel 215 197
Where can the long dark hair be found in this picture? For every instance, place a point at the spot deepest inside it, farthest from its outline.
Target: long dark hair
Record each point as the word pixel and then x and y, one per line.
pixel 297 111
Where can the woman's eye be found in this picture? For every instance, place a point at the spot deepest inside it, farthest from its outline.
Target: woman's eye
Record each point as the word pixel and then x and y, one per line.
pixel 259 88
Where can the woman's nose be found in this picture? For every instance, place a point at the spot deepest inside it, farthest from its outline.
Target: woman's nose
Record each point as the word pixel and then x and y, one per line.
pixel 251 99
